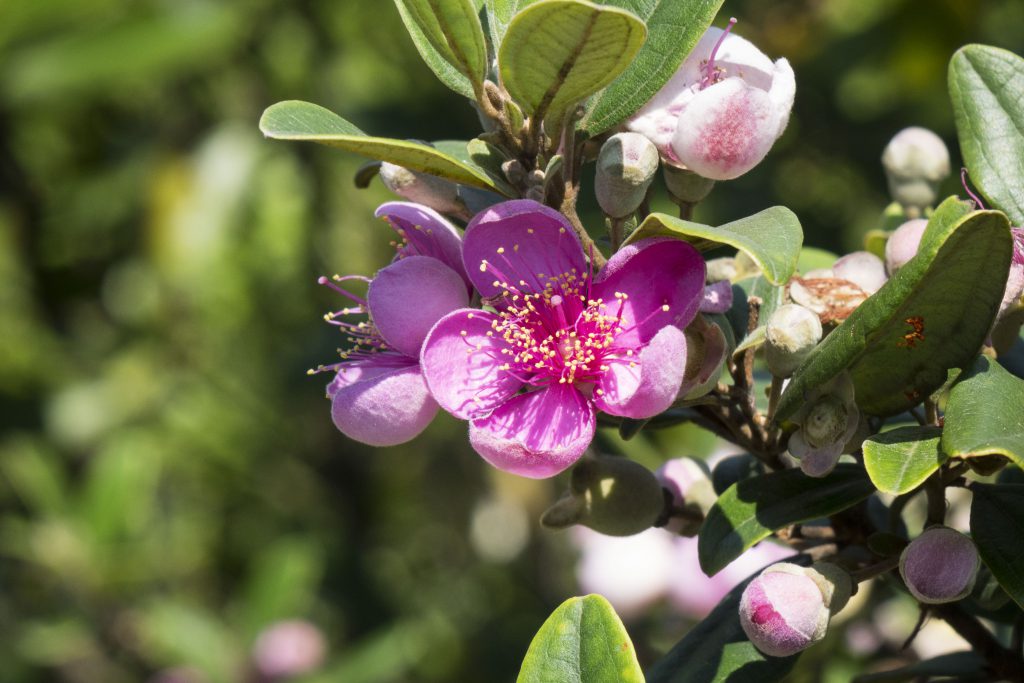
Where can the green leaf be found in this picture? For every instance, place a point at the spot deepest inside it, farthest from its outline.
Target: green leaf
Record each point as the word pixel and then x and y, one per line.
pixel 718 651
pixel 964 666
pixel 997 527
pixel 449 37
pixel 750 510
pixel 674 28
pixel 771 237
pixel 559 52
pixel 933 315
pixel 583 641
pixel 812 258
pixel 296 120
pixel 985 413
pixel 479 156
pixel 770 296
pixel 500 13
pixel 985 85
pixel 900 460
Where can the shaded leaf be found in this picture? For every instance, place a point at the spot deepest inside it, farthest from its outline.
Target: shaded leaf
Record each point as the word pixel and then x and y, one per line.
pixel 985 413
pixel 997 527
pixel 963 666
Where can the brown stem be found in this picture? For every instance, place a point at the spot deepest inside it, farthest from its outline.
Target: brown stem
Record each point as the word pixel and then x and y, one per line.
pixel 615 226
pixel 936 492
pixel 686 210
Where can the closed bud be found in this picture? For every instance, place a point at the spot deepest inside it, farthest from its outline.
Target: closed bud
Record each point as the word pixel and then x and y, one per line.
pixel 437 193
pixel 685 186
pixel 787 608
pixel 289 648
pixel 689 483
pixel 613 495
pixel 792 332
pixel 916 161
pixel 721 269
pixel 863 269
pixel 940 565
pixel 625 168
pixel 903 243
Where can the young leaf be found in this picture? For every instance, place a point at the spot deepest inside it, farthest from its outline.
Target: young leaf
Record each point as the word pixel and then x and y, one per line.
pixel 750 510
pixel 900 460
pixel 985 85
pixel 933 315
pixel 499 15
pixel 557 53
pixel 581 642
pixel 985 413
pixel 717 650
pixel 997 526
pixel 448 35
pixel 295 120
pixel 673 30
pixel 771 237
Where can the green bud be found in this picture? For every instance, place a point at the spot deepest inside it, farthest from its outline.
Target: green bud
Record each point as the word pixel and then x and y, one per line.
pixel 792 332
pixel 685 186
pixel 625 168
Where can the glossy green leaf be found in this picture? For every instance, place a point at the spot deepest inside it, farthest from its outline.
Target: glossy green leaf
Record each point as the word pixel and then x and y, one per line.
pixel 718 651
pixel 673 30
pixel 985 84
pixel 985 413
pixel 900 460
pixel 583 641
pixel 557 53
pixel 771 237
pixel 750 510
pixel 997 527
pixel 449 37
pixel 932 316
pixel 304 121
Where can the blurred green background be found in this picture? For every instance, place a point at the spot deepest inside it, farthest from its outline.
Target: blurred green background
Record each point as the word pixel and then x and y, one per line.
pixel 170 480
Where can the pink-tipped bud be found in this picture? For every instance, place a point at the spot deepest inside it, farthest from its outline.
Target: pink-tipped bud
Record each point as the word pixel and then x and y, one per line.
pixel 625 168
pixel 916 161
pixel 903 243
pixel 863 269
pixel 787 608
pixel 940 565
pixel 288 648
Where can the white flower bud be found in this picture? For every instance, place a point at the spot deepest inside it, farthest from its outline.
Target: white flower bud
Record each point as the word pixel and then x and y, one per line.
pixel 863 269
pixel 792 332
pixel 625 168
pixel 903 243
pixel 916 161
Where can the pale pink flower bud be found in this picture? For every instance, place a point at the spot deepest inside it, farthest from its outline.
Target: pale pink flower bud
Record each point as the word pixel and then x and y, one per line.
pixel 791 334
pixel 689 482
pixel 289 648
pixel 940 565
pixel 722 111
pixel 863 269
pixel 916 161
pixel 625 168
pixel 903 243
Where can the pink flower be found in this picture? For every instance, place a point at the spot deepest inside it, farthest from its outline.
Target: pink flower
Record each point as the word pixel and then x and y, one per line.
pixel 560 343
pixel 722 111
pixel 378 395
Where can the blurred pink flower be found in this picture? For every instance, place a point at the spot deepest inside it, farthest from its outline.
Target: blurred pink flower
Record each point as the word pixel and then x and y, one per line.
pixel 288 648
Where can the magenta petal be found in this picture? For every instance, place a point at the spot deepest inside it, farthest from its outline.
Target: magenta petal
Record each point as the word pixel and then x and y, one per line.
pixel 386 409
pixel 464 371
pixel 361 369
pixel 717 297
pixel 652 273
pixel 409 296
pixel 520 240
pixel 538 434
pixel 426 232
pixel 646 384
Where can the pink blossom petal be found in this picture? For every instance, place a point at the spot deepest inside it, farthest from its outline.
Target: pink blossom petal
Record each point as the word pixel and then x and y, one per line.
pixel 717 297
pixel 819 462
pixel 520 241
pixel 464 371
pixel 645 386
pixel 409 296
pixel 652 273
pixel 386 409
pixel 536 435
pixel 361 369
pixel 426 232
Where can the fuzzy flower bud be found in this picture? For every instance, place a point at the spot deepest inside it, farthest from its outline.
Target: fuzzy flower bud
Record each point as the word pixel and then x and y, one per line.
pixel 689 483
pixel 828 423
pixel 289 648
pixel 916 161
pixel 903 243
pixel 685 186
pixel 437 193
pixel 863 269
pixel 613 495
pixel 792 332
pixel 940 565
pixel 625 168
pixel 787 608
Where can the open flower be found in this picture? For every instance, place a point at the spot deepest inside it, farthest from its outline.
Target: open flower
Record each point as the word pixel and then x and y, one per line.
pixel 559 343
pixel 378 395
pixel 828 420
pixel 722 111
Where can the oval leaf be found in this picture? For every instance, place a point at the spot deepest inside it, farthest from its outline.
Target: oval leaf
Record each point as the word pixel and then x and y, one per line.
pixel 771 237
pixel 985 85
pixel 750 510
pixel 933 315
pixel 295 120
pixel 448 35
pixel 900 460
pixel 997 525
pixel 581 642
pixel 673 30
pixel 985 414
pixel 557 53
